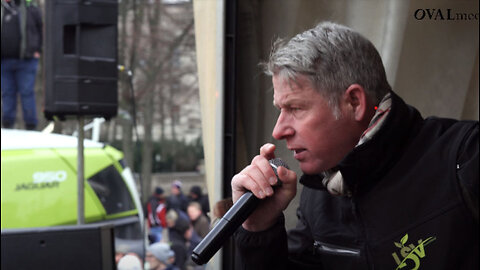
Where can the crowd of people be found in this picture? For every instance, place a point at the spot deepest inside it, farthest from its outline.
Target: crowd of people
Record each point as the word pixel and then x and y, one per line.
pixel 176 224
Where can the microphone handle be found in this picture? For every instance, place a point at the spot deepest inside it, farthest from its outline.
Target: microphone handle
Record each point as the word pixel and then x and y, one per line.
pixel 225 227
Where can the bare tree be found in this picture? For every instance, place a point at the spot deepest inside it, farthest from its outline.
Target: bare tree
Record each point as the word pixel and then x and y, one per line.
pixel 131 17
pixel 156 49
pixel 159 47
pixel 154 17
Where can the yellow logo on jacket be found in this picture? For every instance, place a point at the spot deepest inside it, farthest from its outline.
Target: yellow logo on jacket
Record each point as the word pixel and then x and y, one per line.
pixel 411 252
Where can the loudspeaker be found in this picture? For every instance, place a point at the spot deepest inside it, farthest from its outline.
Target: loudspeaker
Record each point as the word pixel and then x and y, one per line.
pixel 66 247
pixel 81 58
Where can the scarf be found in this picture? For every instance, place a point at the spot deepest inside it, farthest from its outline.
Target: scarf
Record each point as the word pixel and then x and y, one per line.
pixel 333 179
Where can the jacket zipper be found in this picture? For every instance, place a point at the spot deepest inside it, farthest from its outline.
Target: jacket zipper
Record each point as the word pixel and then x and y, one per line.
pixel 320 247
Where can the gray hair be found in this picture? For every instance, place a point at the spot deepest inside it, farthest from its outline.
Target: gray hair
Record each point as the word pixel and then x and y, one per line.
pixel 332 57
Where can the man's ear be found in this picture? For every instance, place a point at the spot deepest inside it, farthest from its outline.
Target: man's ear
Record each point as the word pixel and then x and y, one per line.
pixel 357 102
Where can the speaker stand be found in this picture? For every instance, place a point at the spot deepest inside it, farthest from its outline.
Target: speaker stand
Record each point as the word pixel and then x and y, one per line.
pixel 80 172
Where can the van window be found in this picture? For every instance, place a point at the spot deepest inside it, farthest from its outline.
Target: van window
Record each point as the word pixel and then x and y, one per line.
pixel 112 191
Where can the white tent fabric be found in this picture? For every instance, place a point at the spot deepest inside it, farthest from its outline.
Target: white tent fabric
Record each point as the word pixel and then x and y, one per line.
pixel 208 15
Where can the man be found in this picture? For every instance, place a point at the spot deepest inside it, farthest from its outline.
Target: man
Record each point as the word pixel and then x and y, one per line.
pixel 21 47
pixel 200 222
pixel 383 187
pixel 178 229
pixel 177 200
pixel 160 257
pixel 196 195
pixel 156 211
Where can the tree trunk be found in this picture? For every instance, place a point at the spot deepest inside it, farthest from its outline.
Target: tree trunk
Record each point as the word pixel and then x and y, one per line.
pixel 127 143
pixel 127 126
pixel 147 149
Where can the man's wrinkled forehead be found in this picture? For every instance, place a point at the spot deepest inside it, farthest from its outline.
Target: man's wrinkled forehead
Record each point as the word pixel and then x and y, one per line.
pixel 286 91
pixel 296 83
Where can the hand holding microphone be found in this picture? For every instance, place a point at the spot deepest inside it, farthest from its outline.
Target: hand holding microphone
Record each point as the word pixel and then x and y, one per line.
pixel 259 176
pixel 249 188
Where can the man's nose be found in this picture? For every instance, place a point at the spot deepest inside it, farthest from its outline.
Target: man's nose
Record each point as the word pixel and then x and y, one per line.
pixel 283 128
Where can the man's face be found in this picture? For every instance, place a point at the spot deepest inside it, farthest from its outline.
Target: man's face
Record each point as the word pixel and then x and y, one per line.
pixel 193 212
pixel 318 140
pixel 152 261
pixel 174 190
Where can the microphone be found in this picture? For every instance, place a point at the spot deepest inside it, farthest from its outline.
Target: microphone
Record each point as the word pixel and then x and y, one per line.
pixel 229 223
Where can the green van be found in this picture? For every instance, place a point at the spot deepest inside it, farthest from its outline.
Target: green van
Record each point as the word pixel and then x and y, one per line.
pixel 39 186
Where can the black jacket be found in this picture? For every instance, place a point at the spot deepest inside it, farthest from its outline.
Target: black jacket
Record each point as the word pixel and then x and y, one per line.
pixel 28 29
pixel 414 203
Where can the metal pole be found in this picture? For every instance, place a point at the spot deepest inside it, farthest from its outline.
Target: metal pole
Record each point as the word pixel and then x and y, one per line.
pixel 80 173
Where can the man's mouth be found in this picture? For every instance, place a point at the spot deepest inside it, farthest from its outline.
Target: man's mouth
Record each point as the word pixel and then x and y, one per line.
pixel 297 152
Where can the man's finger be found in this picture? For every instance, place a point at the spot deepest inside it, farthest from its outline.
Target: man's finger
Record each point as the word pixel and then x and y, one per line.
pixel 268 151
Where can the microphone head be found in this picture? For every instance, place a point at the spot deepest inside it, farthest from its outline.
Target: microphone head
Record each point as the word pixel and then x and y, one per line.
pixel 278 162
pixel 275 163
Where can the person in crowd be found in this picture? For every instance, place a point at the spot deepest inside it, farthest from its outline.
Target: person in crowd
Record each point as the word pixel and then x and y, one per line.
pixel 120 251
pixel 200 222
pixel 156 215
pixel 196 195
pixel 160 257
pixel 178 223
pixel 21 47
pixel 130 262
pixel 220 208
pixel 192 240
pixel 177 200
pixel 383 187
pixel 182 237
